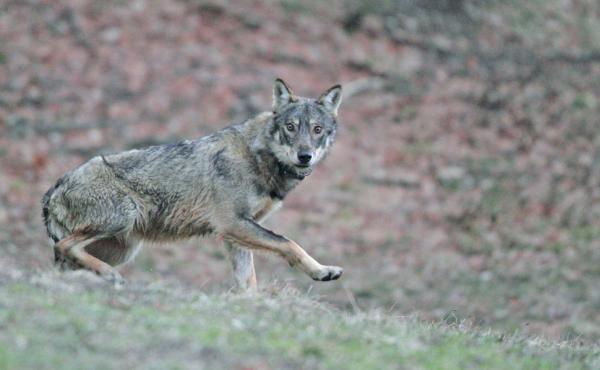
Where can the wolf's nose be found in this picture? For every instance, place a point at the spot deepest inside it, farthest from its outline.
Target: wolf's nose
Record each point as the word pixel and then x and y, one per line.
pixel 304 158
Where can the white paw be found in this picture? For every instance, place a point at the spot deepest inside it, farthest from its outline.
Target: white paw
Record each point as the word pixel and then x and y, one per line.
pixel 328 273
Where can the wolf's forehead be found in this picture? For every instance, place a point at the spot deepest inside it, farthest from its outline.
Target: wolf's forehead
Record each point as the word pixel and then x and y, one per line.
pixel 307 111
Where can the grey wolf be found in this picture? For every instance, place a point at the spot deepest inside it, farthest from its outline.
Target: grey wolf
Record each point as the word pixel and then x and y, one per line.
pixel 99 214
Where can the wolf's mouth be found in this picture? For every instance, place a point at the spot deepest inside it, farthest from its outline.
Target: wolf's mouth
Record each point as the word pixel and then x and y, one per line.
pixel 302 170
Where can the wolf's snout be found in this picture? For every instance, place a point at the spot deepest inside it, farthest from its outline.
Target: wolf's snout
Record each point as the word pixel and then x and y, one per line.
pixel 304 158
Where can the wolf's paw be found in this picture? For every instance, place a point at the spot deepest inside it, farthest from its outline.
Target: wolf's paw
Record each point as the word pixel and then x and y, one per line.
pixel 328 273
pixel 115 278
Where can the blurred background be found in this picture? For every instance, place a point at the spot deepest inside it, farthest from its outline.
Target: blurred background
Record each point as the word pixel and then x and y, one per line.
pixel 465 181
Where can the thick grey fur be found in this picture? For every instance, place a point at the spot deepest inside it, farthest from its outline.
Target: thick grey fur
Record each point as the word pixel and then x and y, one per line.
pixel 211 185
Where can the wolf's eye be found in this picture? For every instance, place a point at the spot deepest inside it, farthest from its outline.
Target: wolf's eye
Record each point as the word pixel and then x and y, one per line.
pixel 290 127
pixel 318 129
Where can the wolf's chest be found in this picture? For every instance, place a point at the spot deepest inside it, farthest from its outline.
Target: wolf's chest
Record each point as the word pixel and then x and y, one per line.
pixel 264 206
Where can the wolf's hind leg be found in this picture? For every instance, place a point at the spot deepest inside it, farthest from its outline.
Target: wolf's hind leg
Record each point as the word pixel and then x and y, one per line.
pixel 73 248
pixel 242 263
pixel 251 235
pixel 114 250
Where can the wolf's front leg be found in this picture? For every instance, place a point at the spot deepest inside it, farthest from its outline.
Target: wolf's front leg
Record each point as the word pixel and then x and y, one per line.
pixel 249 234
pixel 242 263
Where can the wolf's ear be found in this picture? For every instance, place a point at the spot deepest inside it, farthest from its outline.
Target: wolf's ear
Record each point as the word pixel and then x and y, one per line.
pixel 282 95
pixel 331 99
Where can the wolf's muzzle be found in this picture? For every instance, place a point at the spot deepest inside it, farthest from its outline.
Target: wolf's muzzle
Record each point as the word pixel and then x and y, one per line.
pixel 304 158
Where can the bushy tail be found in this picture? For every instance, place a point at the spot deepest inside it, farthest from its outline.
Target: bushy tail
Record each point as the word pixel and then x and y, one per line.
pixel 46 210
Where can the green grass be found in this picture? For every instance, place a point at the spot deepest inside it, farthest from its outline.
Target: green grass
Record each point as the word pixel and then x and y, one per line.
pixel 60 324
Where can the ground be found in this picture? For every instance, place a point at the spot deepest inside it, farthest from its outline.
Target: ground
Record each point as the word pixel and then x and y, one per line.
pixel 464 184
pixel 87 324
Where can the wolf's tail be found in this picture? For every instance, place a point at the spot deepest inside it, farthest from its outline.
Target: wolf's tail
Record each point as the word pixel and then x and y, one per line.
pixel 49 221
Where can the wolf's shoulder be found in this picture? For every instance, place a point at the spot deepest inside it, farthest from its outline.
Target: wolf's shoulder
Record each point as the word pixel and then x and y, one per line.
pixel 253 126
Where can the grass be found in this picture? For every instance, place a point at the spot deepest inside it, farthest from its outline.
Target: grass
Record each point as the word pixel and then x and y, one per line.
pixel 74 322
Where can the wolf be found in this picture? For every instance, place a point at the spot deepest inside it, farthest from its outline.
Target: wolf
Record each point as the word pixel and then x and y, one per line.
pixel 99 214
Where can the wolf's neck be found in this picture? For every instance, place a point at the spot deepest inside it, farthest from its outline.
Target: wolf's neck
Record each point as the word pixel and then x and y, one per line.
pixel 279 179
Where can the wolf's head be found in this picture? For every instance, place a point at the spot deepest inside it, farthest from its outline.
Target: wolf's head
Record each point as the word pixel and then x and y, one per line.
pixel 302 129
